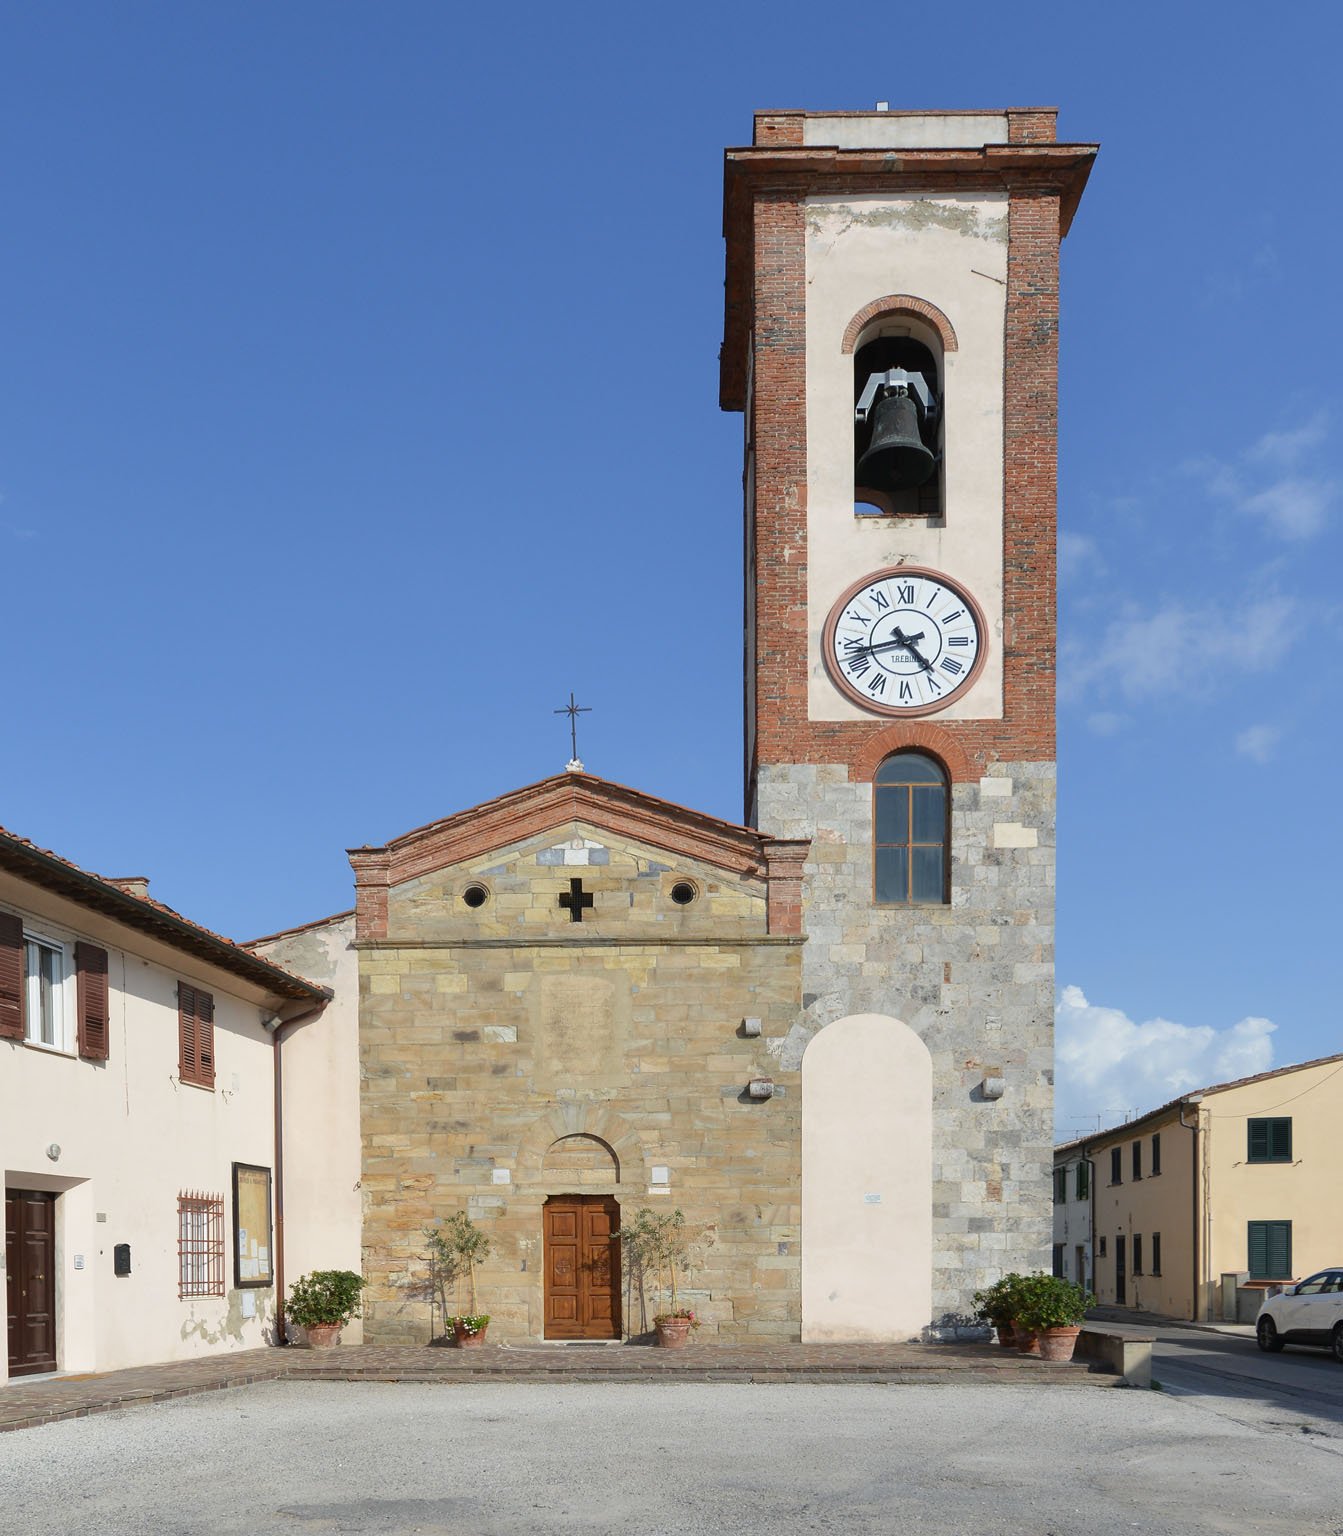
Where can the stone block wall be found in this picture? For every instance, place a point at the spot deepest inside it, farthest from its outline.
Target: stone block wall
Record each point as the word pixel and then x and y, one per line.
pixel 487 1035
pixel 974 978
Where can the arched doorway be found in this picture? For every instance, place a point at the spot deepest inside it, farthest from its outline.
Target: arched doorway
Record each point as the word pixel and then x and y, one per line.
pixel 581 1237
pixel 582 1267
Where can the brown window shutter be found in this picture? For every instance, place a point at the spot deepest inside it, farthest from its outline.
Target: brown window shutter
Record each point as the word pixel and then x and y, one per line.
pixel 205 1037
pixel 186 1032
pixel 11 977
pixel 91 972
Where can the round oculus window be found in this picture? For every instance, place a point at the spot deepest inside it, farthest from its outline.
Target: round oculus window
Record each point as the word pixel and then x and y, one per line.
pixel 475 895
pixel 683 893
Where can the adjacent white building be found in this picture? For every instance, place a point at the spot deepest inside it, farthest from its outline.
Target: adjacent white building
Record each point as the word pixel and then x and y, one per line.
pixel 141 1131
pixel 1073 1257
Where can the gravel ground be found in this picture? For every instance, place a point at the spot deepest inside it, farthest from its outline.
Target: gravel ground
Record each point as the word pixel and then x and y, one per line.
pixel 493 1460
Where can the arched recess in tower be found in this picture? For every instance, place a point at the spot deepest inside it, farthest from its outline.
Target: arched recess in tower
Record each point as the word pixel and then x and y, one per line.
pixel 867 1169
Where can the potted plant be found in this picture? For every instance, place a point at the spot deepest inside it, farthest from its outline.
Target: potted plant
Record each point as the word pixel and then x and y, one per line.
pixel 1049 1315
pixel 661 1243
pixel 322 1302
pixel 459 1246
pixel 998 1306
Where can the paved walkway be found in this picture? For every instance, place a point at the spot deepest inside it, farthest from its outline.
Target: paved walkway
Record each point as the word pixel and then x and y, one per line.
pixel 1109 1314
pixel 24 1404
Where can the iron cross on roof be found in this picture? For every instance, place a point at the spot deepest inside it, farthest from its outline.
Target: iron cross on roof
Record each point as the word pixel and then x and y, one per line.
pixel 573 711
pixel 575 898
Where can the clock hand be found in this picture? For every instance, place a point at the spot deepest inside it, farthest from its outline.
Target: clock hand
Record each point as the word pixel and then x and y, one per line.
pixel 885 645
pixel 916 653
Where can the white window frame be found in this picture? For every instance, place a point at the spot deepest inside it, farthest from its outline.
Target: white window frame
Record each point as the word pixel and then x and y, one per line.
pixel 62 1001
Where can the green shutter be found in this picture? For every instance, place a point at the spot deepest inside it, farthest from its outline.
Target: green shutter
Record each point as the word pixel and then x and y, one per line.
pixel 1280 1140
pixel 1270 1250
pixel 1258 1152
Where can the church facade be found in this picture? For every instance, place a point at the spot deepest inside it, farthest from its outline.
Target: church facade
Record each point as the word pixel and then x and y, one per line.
pixel 825 1034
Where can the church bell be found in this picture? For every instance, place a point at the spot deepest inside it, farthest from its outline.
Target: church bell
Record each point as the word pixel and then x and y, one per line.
pixel 897 458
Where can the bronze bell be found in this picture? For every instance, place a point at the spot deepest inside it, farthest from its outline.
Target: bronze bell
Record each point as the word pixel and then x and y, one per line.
pixel 897 459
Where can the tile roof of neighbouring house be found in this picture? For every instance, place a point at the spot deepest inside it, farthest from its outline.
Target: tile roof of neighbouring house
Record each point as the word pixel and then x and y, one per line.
pixel 22 857
pixel 1192 1094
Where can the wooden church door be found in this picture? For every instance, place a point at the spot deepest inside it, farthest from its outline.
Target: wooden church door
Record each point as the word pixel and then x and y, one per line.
pixel 582 1267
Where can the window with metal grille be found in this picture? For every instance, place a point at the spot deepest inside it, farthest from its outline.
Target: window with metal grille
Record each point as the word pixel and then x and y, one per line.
pixel 1270 1141
pixel 200 1244
pixel 912 831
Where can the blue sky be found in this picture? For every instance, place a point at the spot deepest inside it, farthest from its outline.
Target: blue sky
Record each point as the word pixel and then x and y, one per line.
pixel 359 399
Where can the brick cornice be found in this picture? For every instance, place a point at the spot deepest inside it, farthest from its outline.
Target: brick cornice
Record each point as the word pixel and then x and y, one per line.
pixel 538 808
pixel 796 171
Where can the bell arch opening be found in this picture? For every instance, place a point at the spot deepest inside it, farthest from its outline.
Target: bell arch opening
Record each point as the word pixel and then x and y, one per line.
pixel 898 377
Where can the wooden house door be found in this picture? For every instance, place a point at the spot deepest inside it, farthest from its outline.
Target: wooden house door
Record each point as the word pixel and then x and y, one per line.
pixel 582 1267
pixel 30 1270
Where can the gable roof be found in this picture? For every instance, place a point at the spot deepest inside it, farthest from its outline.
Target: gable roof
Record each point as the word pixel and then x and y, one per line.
pixel 554 802
pixel 139 911
pixel 1193 1096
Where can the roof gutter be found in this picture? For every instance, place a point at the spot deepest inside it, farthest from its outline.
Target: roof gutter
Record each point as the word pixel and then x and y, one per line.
pixel 277 1026
pixel 1194 1100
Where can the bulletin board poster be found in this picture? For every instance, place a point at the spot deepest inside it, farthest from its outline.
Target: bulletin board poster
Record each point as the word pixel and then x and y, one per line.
pixel 253 1257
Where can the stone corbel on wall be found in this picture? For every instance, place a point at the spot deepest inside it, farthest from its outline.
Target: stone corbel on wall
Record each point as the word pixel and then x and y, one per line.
pixel 783 875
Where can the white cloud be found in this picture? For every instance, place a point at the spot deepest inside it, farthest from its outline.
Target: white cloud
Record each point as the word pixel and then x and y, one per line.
pixel 1107 1065
pixel 1176 649
pixel 1077 555
pixel 1106 723
pixel 1258 742
pixel 1287 447
pixel 1294 506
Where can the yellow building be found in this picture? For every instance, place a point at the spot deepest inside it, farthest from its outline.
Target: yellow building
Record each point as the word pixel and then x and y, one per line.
pixel 1236 1180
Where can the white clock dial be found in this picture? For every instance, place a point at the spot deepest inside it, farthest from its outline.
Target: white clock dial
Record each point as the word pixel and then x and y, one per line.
pixel 904 641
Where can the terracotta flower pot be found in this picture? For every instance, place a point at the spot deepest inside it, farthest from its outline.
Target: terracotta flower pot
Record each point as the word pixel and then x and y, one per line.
pixel 466 1339
pixel 322 1335
pixel 673 1332
pixel 1028 1341
pixel 1007 1335
pixel 1058 1343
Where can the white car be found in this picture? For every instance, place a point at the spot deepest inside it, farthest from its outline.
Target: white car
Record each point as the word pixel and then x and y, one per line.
pixel 1310 1313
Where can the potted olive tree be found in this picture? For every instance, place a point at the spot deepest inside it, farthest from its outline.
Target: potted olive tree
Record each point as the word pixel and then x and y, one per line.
pixel 455 1249
pixel 322 1302
pixel 661 1244
pixel 1049 1315
pixel 998 1306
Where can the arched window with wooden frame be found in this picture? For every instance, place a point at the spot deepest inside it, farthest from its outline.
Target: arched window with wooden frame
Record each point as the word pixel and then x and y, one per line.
pixel 911 818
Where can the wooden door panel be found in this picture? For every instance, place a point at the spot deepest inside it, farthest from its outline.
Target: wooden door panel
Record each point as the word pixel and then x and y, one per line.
pixel 582 1267
pixel 30 1262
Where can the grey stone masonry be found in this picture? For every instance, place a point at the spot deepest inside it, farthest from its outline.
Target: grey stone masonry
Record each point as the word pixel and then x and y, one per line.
pixel 974 979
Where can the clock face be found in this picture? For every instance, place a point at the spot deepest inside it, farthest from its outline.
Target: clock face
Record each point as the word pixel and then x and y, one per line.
pixel 904 641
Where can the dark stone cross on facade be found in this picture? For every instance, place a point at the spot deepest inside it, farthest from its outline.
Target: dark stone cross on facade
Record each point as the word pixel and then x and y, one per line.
pixel 576 898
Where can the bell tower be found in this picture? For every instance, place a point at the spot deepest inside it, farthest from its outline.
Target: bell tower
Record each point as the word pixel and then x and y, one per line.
pixel 891 339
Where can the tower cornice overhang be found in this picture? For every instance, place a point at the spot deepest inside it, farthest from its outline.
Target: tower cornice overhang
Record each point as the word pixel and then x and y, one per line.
pixel 798 171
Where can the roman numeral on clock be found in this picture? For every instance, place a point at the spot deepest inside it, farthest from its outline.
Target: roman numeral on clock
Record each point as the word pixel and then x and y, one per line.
pixel 877 684
pixel 951 666
pixel 904 594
